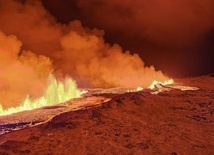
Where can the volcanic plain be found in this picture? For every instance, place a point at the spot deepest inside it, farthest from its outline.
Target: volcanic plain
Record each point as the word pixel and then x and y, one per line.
pixel 170 122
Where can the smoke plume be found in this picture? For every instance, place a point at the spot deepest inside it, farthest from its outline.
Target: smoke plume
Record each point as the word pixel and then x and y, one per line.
pixel 33 44
pixel 170 34
pixel 20 75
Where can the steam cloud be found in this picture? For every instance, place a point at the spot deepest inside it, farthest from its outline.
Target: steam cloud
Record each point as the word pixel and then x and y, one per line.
pixel 65 49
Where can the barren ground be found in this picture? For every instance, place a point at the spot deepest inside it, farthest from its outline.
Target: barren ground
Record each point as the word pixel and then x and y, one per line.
pixel 173 122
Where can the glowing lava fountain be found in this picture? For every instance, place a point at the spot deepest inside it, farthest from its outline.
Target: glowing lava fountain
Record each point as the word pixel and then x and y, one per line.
pixel 57 92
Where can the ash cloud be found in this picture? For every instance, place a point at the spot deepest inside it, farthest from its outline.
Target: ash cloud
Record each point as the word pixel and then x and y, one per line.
pixel 34 44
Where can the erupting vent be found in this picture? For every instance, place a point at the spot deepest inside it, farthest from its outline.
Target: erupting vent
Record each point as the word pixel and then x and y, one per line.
pixel 57 92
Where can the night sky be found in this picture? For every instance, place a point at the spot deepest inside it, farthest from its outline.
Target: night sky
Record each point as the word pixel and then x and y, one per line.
pixel 176 37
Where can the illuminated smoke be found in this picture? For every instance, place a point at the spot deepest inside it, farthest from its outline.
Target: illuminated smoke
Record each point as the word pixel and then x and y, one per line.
pixel 22 75
pixel 176 36
pixel 73 49
pixel 89 59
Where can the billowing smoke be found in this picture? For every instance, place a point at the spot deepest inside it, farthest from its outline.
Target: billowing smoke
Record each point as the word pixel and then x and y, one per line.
pixel 75 50
pixel 20 75
pixel 93 62
pixel 176 36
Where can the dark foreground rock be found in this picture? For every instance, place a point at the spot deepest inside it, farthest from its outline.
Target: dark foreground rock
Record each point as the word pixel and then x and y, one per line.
pixel 174 122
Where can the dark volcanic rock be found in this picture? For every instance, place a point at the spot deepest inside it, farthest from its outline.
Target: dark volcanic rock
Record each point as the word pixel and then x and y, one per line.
pixel 174 122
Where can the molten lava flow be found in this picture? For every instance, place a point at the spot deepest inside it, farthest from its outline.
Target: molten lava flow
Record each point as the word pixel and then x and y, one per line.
pixel 57 92
pixel 152 86
pixel 154 83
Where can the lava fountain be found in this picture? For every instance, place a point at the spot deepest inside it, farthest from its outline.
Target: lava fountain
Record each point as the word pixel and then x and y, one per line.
pixel 56 92
pixel 28 54
pixel 59 92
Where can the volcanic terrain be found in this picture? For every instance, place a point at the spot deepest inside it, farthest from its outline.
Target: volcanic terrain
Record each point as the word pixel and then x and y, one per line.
pixel 170 122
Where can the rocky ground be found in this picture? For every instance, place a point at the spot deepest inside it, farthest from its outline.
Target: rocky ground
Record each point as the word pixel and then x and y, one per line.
pixel 171 122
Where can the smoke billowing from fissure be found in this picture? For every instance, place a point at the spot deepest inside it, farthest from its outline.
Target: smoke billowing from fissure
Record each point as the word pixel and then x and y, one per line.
pixel 20 75
pixel 176 36
pixel 33 44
